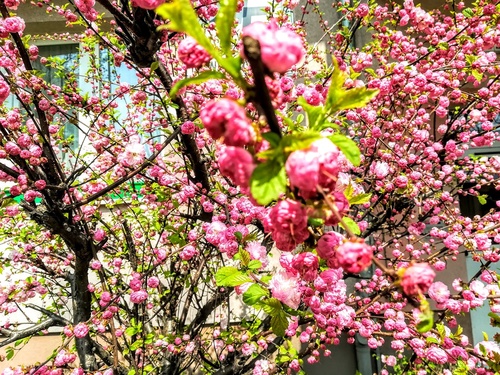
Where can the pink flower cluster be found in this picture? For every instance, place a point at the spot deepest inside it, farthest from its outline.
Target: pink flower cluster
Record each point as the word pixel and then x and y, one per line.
pixel 237 164
pixel 280 47
pixel 417 279
pixel 287 222
pixel 226 118
pixel 318 165
pixel 192 54
pixel 353 256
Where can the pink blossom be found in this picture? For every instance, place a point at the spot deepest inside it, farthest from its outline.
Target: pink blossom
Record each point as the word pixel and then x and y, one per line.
pixel 306 265
pixel 318 165
pixel 287 223
pixel 147 4
pixel 417 279
pixel 80 330
pixel 237 164
pixel 14 24
pixel 354 257
pixel 257 252
pixel 280 47
pixel 327 246
pixel 436 355
pixel 439 292
pixel 188 252
pixel 133 155
pixel 380 169
pixel 188 127
pixel 4 90
pixel 138 296
pixel 226 118
pixel 285 288
pixel 192 54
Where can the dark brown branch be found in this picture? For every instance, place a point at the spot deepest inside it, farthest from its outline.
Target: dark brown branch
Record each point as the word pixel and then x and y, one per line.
pixel 259 93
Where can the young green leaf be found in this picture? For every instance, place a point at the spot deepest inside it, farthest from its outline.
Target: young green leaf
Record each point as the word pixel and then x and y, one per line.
pixel 348 147
pixel 279 323
pixel 231 276
pixel 315 114
pixel 200 78
pixel 351 225
pixel 254 294
pixel 183 19
pixel 268 182
pixel 360 198
pixel 224 22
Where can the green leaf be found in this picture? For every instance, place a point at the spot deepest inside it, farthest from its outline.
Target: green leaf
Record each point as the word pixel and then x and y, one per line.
pixel 224 23
pixel 299 141
pixel 154 66
pixel 495 319
pixel 351 225
pixel 131 331
pixel 184 19
pixel 477 75
pixel 272 306
pixel 9 353
pixel 231 276
pixel 273 138
pixel 338 98
pixel 360 198
pixel 279 323
pixel 315 114
pixel 348 147
pixel 426 317
pixel 268 182
pixel 254 265
pixel 254 294
pixel 467 12
pixel 200 78
pixel 482 199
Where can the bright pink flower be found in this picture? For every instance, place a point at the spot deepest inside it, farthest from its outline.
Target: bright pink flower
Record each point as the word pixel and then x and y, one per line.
pixel 192 54
pixel 306 264
pixel 436 355
pixel 327 246
pixel 318 165
pixel 439 292
pixel 354 257
pixel 237 164
pixel 188 252
pixel 226 118
pixel 138 296
pixel 147 4
pixel 285 288
pixel 280 47
pixel 188 127
pixel 14 24
pixel 287 223
pixel 417 279
pixel 153 282
pixel 80 330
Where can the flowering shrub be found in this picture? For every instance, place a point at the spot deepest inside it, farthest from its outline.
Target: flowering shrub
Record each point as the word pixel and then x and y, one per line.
pixel 268 175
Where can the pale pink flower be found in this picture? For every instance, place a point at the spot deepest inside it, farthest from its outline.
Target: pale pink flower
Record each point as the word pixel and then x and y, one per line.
pixel 147 4
pixel 436 355
pixel 354 257
pixel 257 252
pixel 237 164
pixel 280 47
pixel 285 288
pixel 133 155
pixel 226 118
pixel 192 54
pixel 439 292
pixel 417 279
pixel 380 169
pixel 80 330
